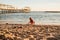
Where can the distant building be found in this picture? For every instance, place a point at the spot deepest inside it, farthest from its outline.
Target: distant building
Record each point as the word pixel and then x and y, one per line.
pixel 26 9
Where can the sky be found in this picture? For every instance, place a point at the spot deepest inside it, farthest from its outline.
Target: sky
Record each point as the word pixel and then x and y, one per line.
pixel 35 5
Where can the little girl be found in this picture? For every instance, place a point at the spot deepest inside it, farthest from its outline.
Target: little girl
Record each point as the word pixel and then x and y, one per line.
pixel 31 21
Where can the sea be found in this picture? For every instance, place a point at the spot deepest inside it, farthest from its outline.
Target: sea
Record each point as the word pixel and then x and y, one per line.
pixel 23 18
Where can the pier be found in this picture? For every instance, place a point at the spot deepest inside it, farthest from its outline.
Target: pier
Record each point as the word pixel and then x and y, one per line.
pixel 10 9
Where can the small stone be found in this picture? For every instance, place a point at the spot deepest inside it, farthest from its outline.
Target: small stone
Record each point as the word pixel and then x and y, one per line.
pixel 26 39
pixel 51 39
pixel 31 38
pixel 2 37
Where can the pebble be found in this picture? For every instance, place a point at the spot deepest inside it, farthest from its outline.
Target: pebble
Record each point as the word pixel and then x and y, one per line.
pixel 27 32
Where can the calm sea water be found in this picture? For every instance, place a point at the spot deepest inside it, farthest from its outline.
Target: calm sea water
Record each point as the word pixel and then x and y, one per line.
pixel 38 17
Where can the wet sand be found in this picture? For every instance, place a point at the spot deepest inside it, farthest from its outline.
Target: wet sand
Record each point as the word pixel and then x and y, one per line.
pixel 29 32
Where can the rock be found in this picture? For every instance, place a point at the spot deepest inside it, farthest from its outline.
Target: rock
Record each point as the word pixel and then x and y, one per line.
pixel 8 38
pixel 51 39
pixel 26 39
pixel 2 37
pixel 31 38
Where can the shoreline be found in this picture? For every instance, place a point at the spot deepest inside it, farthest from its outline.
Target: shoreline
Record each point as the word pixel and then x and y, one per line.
pixel 20 22
pixel 33 24
pixel 29 24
